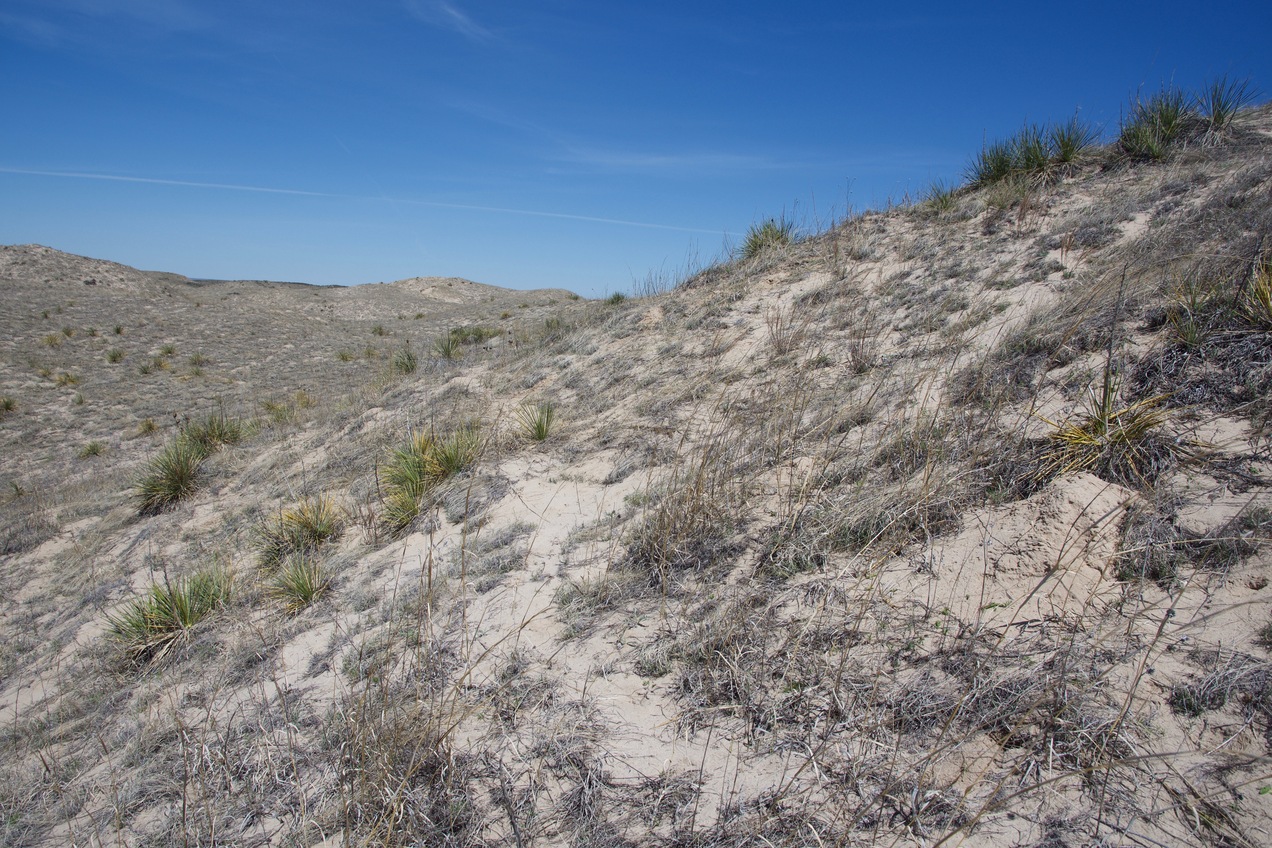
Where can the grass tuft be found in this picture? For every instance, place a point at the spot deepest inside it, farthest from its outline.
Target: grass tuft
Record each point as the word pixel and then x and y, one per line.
pixel 171 476
pixel 1220 101
pixel 93 448
pixel 416 467
pixel 404 361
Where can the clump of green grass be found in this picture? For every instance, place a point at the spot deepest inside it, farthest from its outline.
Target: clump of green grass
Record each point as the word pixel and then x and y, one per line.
pixel 616 298
pixel 299 581
pixel 775 232
pixel 345 356
pixel 114 355
pixel 93 448
pixel 416 467
pixel 298 530
pixel 536 420
pixel 66 378
pixel 147 426
pixel 168 350
pixel 1034 153
pixel 198 360
pixel 1070 140
pixel 378 330
pixel 404 361
pixel 151 625
pixel 1256 300
pixel 52 340
pixel 119 329
pixel 8 404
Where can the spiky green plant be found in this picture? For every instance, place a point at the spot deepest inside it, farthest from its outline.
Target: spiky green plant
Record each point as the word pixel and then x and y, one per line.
pixel 300 529
pixel 1221 100
pixel 114 355
pixel 214 431
pixel 1069 140
pixel 8 404
pixel 457 450
pixel 447 346
pixel 149 626
pixel 299 581
pixel 941 196
pixel 93 448
pixel 404 361
pixel 1030 152
pixel 993 163
pixel 1155 124
pixel 772 233
pixel 406 475
pixel 616 298
pixel 170 476
pixel 536 420
pixel 1115 442
pixel 1256 301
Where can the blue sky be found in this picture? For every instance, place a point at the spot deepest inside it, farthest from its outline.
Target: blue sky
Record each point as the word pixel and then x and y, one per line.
pixel 535 144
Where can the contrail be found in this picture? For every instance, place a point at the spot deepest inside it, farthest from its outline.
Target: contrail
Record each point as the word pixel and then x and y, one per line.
pixel 536 213
pixel 114 178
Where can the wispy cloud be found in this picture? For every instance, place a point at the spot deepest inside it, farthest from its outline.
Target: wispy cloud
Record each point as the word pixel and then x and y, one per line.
pixel 436 204
pixel 82 175
pixel 698 162
pixel 439 13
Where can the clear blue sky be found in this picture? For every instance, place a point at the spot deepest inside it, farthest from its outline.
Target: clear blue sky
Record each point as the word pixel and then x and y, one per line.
pixel 535 143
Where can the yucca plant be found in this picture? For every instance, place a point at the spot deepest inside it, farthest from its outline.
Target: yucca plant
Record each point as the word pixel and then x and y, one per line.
pixel 404 361
pixel 114 355
pixel 149 626
pixel 213 432
pixel 447 346
pixel 1070 140
pixel 1115 442
pixel 458 450
pixel 772 233
pixel 299 581
pixel 1256 302
pixel 993 163
pixel 171 476
pixel 8 404
pixel 941 196
pixel 298 530
pixel 1221 100
pixel 406 475
pixel 1030 152
pixel 1155 124
pixel 536 419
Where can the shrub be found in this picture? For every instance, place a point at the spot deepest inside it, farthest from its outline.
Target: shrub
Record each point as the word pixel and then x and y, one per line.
pixel 8 404
pixel 150 625
pixel 536 419
pixel 299 582
pixel 147 427
pixel 458 450
pixel 114 355
pixel 1030 153
pixel 616 298
pixel 119 329
pixel 299 530
pixel 93 448
pixel 171 476
pixel 762 237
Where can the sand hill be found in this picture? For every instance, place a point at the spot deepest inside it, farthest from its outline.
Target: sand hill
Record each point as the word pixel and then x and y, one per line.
pixel 947 525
